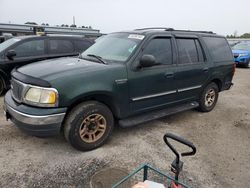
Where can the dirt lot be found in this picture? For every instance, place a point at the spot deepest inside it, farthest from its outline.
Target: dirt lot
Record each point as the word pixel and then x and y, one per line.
pixel 222 138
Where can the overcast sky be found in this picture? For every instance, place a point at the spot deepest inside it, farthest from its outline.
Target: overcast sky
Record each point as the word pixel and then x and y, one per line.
pixel 221 16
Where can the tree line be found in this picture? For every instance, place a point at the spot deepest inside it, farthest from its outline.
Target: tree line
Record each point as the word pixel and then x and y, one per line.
pixel 63 25
pixel 245 35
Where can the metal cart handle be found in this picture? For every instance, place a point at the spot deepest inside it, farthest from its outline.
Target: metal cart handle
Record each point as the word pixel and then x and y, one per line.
pixel 181 140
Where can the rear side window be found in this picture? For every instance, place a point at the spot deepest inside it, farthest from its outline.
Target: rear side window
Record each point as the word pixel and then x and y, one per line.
pixel 219 49
pixel 189 51
pixel 60 46
pixel 161 49
pixel 30 48
pixel 81 45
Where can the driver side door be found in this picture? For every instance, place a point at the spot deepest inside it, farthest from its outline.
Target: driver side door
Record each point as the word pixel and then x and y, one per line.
pixel 153 87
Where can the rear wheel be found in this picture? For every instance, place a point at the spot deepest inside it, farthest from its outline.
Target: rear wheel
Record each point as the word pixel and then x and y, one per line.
pixel 88 125
pixel 209 97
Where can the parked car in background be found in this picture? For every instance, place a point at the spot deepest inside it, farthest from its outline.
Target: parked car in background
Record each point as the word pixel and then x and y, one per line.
pixel 241 52
pixel 126 77
pixel 22 50
pixel 5 36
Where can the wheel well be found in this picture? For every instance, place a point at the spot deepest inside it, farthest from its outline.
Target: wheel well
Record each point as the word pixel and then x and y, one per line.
pixel 105 99
pixel 5 79
pixel 4 82
pixel 218 82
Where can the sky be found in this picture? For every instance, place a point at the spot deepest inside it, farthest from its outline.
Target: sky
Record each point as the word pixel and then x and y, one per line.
pixel 221 16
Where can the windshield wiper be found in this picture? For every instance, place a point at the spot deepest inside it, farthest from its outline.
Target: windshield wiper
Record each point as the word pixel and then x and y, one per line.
pixel 99 58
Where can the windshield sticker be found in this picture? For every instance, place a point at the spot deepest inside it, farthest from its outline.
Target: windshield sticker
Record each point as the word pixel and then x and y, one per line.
pixel 16 39
pixel 135 36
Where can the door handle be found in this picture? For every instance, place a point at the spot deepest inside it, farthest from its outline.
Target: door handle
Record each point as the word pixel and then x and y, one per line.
pixel 205 69
pixel 169 75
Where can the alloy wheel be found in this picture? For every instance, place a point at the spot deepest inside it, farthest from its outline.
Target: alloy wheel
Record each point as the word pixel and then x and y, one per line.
pixel 210 97
pixel 92 128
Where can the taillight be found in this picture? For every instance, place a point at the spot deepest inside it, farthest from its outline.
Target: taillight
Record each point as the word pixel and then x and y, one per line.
pixel 234 68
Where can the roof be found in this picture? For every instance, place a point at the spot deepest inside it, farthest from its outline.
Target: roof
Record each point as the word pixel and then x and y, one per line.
pixel 153 30
pixel 49 36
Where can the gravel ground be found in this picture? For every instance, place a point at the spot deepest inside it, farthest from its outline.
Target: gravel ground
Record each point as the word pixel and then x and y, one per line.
pixel 222 138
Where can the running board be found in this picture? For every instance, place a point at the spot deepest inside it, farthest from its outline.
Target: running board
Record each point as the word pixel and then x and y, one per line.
pixel 156 114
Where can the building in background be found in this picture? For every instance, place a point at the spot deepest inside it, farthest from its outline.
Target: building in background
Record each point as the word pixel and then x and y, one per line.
pixel 31 29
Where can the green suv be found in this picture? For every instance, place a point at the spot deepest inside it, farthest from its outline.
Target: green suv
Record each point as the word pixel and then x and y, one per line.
pixel 125 78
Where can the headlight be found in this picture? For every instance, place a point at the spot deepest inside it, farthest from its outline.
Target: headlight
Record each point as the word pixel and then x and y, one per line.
pixel 44 97
pixel 242 55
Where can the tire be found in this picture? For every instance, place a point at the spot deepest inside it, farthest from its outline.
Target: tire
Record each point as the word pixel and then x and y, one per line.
pixel 209 97
pixel 88 125
pixel 247 65
pixel 2 86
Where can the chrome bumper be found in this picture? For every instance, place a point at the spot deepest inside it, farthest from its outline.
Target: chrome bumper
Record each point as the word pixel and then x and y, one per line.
pixel 33 119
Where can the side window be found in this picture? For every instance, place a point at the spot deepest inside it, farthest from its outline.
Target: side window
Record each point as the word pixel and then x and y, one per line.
pixel 161 49
pixel 81 45
pixel 189 51
pixel 201 57
pixel 218 48
pixel 60 46
pixel 30 48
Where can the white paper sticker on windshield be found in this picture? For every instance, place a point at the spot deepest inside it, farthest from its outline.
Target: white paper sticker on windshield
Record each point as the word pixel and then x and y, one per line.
pixel 135 36
pixel 16 39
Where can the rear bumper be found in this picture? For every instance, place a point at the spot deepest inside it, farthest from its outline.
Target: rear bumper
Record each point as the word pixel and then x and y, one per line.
pixel 35 121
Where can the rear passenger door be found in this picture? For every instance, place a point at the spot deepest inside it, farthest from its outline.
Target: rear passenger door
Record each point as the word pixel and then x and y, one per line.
pixel 192 69
pixel 60 48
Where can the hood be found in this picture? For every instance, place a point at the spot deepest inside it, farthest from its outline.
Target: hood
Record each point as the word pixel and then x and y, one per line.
pixel 240 52
pixel 61 67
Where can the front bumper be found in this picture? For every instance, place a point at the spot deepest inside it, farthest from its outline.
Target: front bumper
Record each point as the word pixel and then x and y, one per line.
pixel 241 60
pixel 33 120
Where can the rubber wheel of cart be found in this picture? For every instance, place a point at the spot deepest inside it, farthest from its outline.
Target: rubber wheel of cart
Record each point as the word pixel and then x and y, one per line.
pixel 88 125
pixel 209 97
pixel 1 86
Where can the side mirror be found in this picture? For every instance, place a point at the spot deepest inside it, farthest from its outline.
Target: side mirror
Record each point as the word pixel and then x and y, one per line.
pixel 147 61
pixel 10 54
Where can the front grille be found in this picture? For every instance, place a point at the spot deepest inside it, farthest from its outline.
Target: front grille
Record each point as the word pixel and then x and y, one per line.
pixel 17 89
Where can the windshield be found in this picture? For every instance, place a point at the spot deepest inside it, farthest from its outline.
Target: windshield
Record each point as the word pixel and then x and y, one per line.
pixel 114 47
pixel 8 43
pixel 242 46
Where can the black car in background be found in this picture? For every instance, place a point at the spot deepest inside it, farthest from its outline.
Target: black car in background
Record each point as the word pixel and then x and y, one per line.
pixel 22 50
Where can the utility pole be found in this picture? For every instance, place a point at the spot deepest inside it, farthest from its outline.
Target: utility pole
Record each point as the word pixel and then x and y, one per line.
pixel 74 23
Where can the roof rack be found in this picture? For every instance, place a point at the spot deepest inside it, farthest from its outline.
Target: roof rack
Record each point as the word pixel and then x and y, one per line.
pixel 147 28
pixel 171 29
pixel 211 32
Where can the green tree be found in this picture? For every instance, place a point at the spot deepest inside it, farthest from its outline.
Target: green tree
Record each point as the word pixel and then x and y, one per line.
pixel 245 35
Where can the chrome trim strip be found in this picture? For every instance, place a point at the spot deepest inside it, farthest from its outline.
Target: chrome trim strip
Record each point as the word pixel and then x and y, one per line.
pixel 154 95
pixel 34 119
pixel 25 88
pixel 121 81
pixel 189 88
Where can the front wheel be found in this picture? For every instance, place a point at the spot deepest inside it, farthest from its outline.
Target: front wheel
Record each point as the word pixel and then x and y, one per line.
pixel 209 97
pixel 88 125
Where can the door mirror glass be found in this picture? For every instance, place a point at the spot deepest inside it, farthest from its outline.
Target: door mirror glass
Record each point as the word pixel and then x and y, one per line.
pixel 10 54
pixel 147 61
